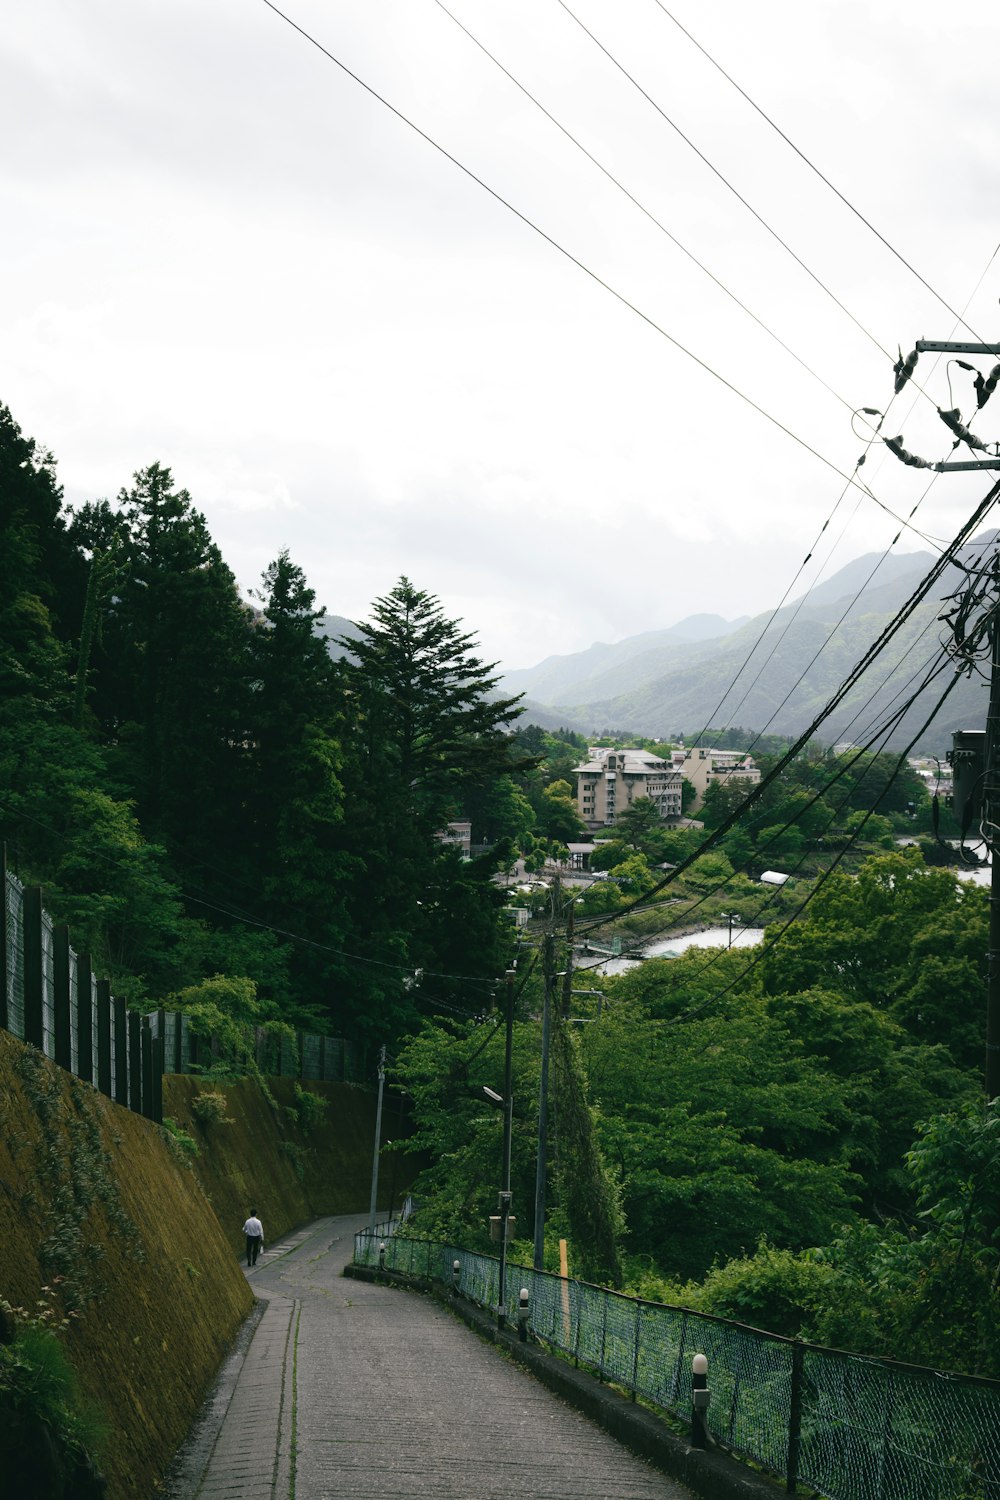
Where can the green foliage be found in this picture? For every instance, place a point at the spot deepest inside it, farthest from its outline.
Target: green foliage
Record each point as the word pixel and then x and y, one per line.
pixel 904 938
pixel 777 1290
pixel 209 1109
pixel 65 1184
pixel 297 1155
pixel 229 1011
pixel 588 1198
pixel 37 1383
pixel 308 1110
pixel 183 1145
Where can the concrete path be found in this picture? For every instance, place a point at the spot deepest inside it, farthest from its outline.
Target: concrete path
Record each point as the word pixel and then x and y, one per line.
pixel 347 1389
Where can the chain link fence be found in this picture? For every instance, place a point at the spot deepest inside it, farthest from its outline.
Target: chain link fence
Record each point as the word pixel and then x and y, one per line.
pixel 848 1426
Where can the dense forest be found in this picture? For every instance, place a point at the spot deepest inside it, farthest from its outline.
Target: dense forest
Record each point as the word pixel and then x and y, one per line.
pixel 226 812
pixel 204 791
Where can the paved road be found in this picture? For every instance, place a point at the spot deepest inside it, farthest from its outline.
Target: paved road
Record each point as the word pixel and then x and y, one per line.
pixel 347 1389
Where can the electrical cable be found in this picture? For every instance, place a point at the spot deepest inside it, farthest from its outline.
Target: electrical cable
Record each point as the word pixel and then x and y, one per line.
pixel 700 739
pixel 723 179
pixel 846 763
pixel 766 949
pixel 568 254
pixel 770 940
pixel 643 209
pixel 887 634
pixel 960 317
pixel 295 937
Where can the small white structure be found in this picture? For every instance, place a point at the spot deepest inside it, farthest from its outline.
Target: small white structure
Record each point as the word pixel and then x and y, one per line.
pixel 773 877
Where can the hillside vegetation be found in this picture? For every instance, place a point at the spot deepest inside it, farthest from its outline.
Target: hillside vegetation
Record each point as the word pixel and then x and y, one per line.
pixel 109 1222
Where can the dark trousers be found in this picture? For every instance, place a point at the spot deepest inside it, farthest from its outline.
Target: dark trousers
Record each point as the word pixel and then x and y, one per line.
pixel 253 1248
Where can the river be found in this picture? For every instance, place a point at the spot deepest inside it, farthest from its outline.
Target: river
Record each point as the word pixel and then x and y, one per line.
pixel 669 947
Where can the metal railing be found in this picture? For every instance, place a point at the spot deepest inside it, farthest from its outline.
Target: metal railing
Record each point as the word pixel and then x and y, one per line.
pixel 849 1426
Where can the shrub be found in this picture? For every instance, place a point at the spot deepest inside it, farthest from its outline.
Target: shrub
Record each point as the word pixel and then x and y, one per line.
pixel 183 1146
pixel 47 1433
pixel 308 1110
pixel 210 1109
pixel 297 1156
pixel 777 1290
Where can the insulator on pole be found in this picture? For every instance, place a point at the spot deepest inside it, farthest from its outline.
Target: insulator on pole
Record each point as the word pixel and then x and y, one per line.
pixel 986 387
pixel 904 368
pixel 953 420
pixel 895 445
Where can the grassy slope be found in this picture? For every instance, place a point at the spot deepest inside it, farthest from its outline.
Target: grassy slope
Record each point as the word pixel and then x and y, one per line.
pixel 149 1248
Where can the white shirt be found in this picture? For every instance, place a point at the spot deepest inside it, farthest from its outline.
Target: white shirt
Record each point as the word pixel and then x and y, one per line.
pixel 254 1228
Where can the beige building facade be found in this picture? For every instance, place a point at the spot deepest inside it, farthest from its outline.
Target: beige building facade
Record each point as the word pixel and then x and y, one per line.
pixel 611 780
pixel 705 767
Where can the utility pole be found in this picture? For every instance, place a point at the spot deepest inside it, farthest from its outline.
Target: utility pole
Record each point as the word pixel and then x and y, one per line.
pixel 548 970
pixel 378 1137
pixel 991 788
pixel 984 785
pixel 508 1124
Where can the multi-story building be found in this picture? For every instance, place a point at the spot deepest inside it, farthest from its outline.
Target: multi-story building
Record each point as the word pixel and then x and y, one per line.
pixel 703 768
pixel 611 780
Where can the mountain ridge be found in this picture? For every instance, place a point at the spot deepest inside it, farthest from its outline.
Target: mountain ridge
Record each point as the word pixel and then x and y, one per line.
pixel 785 663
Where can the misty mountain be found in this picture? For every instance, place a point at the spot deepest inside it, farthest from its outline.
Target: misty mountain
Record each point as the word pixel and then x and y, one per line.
pixel 776 672
pixel 331 627
pixel 582 674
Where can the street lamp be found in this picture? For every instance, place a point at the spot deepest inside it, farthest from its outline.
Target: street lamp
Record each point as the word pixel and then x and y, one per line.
pixel 731 917
pixel 506 1100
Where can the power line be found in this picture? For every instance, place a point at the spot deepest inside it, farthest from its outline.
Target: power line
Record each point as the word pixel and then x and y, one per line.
pixel 723 179
pixel 887 634
pixel 960 317
pixel 933 480
pixel 642 207
pixel 581 265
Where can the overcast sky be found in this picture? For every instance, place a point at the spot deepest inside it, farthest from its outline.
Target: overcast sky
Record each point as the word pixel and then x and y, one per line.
pixel 220 252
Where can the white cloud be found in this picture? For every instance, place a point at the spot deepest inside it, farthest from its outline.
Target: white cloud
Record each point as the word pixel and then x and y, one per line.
pixel 228 257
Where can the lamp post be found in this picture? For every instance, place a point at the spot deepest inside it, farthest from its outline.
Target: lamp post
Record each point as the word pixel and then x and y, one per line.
pixel 731 917
pixel 507 1101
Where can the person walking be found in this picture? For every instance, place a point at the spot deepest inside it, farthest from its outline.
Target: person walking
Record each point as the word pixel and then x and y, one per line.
pixel 254 1231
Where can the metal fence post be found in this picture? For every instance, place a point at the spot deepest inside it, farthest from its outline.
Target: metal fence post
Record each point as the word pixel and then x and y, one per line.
pixel 104 1036
pixel 795 1417
pixel 146 1050
pixel 157 1101
pixel 60 996
pixel 604 1335
pixel 133 1023
pixel 34 981
pixel 120 1029
pixel 635 1351
pixel 5 964
pixel 84 1019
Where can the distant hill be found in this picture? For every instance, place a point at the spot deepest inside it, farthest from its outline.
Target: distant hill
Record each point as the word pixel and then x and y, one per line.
pixel 581 675
pixel 334 626
pixel 788 664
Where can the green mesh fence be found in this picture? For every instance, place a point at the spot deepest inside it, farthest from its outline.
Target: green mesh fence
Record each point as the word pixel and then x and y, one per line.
pixel 847 1426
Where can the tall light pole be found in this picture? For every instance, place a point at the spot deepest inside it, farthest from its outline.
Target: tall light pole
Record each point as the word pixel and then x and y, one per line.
pixel 378 1137
pixel 508 1121
pixel 543 1106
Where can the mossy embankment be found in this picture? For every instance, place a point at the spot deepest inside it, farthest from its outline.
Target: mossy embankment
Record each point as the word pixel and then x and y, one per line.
pixel 142 1242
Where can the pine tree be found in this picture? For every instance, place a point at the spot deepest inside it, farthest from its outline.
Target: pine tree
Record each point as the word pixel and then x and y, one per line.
pixel 427 727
